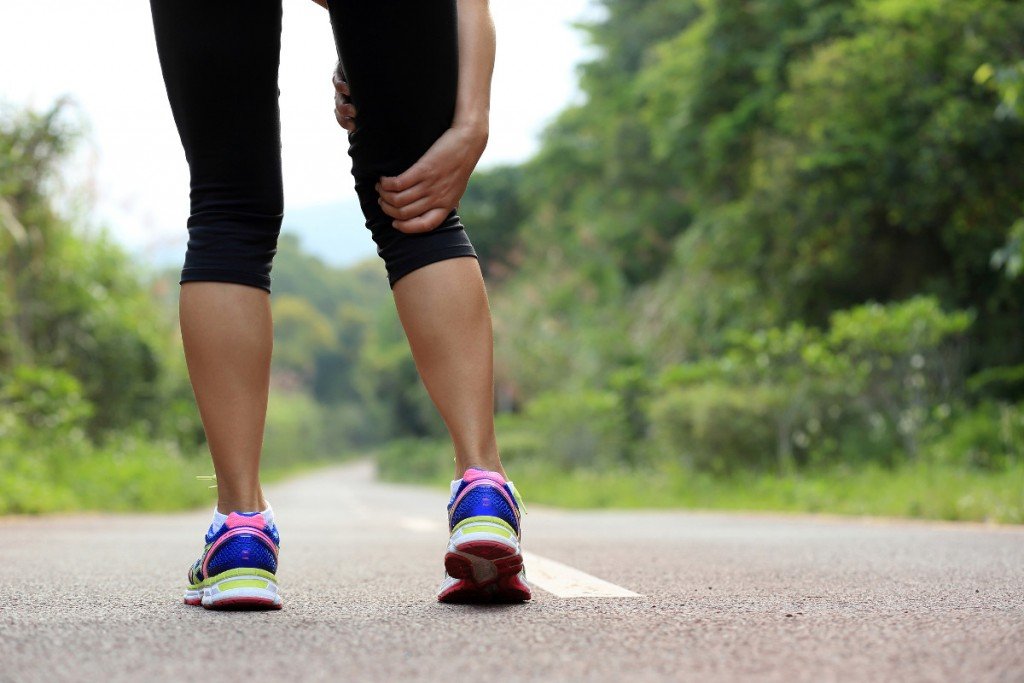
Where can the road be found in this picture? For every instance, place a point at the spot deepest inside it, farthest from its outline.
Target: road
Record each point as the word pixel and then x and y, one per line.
pixel 667 596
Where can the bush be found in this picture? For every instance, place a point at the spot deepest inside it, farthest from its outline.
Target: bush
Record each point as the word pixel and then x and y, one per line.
pixel 57 470
pixel 518 442
pixel 45 399
pixel 863 390
pixel 130 472
pixel 577 429
pixel 716 427
pixel 415 460
pixel 989 437
pixel 568 431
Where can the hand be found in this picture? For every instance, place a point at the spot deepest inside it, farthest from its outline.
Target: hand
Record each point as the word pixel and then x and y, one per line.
pixel 344 110
pixel 421 198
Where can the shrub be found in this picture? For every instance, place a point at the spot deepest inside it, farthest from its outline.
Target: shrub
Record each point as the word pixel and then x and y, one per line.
pixel 45 398
pixel 716 427
pixel 412 459
pixel 989 437
pixel 579 429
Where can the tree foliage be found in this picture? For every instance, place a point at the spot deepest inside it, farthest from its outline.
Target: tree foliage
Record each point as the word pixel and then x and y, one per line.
pixel 74 301
pixel 767 169
pixel 773 235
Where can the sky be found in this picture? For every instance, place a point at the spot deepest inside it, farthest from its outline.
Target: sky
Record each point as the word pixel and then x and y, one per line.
pixel 102 54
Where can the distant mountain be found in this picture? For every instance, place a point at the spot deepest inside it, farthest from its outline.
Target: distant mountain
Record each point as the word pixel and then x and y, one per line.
pixel 334 232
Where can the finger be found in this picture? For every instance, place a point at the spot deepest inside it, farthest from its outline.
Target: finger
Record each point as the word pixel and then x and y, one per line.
pixel 344 107
pixel 405 196
pixel 416 174
pixel 424 223
pixel 407 212
pixel 345 122
pixel 340 84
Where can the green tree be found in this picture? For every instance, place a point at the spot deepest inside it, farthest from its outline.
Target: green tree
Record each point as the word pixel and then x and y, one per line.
pixel 74 301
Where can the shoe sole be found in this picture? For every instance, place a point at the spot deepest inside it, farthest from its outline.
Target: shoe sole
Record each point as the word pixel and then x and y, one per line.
pixel 484 571
pixel 241 589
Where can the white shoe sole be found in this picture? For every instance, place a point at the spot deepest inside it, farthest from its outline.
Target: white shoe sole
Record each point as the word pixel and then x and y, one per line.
pixel 238 591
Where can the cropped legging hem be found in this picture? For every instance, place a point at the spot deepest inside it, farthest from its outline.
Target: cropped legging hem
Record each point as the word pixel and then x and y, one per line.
pixel 220 62
pixel 241 277
pixel 417 259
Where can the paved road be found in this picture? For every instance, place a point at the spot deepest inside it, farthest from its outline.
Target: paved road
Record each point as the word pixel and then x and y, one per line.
pixel 719 598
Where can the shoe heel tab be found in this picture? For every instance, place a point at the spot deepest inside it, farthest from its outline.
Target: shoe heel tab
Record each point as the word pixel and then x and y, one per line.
pixel 473 474
pixel 237 519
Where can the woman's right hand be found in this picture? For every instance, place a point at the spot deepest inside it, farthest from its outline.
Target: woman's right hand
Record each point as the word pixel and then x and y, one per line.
pixel 344 110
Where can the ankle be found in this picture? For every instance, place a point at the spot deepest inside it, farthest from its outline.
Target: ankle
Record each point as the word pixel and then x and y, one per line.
pixel 248 503
pixel 491 464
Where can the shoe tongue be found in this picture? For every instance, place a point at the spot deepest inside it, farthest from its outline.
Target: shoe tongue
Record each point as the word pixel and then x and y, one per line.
pixel 473 474
pixel 237 519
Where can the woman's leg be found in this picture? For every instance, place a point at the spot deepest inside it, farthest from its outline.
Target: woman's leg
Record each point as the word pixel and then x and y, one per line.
pixel 443 308
pixel 228 337
pixel 220 65
pixel 400 58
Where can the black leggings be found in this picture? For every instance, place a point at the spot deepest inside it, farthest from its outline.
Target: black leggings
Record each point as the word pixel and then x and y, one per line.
pixel 220 64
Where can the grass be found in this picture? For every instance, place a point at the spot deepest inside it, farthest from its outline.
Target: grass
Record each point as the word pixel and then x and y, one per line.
pixel 61 470
pixel 131 474
pixel 918 490
pixel 125 475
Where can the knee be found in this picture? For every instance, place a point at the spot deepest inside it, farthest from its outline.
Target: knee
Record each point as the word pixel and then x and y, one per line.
pixel 233 230
pixel 231 248
pixel 403 252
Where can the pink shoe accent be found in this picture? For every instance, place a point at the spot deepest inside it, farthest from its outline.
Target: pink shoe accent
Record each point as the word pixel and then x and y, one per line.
pixel 236 520
pixel 473 474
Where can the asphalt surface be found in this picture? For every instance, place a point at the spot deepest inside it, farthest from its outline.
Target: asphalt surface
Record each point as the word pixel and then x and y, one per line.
pixel 722 597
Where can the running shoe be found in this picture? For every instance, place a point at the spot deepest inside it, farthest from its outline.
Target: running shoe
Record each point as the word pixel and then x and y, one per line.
pixel 238 565
pixel 484 562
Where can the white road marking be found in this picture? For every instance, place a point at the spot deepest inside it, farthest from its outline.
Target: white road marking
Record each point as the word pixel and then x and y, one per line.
pixel 564 581
pixel 556 578
pixel 419 524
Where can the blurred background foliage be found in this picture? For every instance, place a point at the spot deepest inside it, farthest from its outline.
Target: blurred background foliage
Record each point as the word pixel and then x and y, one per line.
pixel 772 259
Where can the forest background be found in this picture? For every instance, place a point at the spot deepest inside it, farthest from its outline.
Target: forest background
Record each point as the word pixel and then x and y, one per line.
pixel 774 259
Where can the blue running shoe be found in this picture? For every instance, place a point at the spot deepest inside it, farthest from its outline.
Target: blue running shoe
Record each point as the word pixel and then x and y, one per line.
pixel 238 566
pixel 484 562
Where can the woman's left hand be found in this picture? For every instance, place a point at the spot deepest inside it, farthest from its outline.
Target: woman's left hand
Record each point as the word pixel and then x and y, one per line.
pixel 421 198
pixel 344 110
